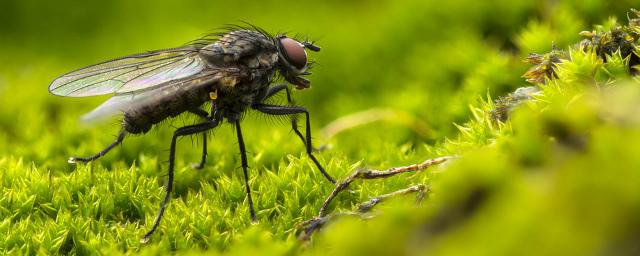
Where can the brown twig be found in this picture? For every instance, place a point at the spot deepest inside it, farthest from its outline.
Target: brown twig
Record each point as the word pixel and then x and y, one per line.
pixel 315 224
pixel 368 205
pixel 375 174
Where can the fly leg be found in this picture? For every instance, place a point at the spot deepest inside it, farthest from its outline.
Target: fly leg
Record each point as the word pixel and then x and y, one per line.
pixel 276 89
pixel 292 110
pixel 203 114
pixel 121 134
pixel 198 166
pixel 183 131
pixel 245 166
pixel 294 122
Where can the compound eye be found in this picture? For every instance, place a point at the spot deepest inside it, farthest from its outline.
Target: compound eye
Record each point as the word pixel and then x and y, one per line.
pixel 294 52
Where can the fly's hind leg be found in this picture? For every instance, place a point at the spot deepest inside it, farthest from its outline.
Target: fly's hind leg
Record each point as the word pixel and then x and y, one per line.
pixel 203 114
pixel 183 131
pixel 203 160
pixel 121 134
pixel 207 117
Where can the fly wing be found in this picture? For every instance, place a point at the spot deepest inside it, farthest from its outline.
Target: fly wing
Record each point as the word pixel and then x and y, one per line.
pixel 130 73
pixel 122 102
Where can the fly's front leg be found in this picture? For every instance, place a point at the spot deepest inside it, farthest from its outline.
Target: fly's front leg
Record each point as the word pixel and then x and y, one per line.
pixel 292 110
pixel 294 122
pixel 183 131
pixel 276 89
pixel 121 134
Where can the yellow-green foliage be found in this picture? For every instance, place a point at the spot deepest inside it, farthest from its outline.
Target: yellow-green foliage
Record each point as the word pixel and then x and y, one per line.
pixel 560 175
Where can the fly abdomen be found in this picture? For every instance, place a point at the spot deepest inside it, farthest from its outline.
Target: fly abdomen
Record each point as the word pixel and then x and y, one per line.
pixel 170 103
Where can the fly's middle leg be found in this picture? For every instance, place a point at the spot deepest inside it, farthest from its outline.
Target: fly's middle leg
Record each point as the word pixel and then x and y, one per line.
pixel 121 135
pixel 245 167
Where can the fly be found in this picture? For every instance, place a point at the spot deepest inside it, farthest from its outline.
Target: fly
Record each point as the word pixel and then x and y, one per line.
pixel 233 70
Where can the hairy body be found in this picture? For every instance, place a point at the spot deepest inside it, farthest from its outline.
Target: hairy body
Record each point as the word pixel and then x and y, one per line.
pixel 234 71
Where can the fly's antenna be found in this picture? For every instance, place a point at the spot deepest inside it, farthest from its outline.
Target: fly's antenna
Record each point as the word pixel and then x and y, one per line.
pixel 311 46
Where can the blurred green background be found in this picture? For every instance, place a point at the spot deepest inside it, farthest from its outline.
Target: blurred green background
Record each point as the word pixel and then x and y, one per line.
pixel 416 66
pixel 427 58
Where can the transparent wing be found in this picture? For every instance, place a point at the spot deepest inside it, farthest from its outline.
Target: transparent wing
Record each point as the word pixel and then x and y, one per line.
pixel 130 73
pixel 122 102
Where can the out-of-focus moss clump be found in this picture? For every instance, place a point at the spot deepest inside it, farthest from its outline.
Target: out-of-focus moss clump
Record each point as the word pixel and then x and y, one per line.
pixel 559 177
pixel 563 183
pixel 611 43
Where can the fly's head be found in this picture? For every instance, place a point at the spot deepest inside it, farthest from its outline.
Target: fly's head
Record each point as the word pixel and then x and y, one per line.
pixel 292 60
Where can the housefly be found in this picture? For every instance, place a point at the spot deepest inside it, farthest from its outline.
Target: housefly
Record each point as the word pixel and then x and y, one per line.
pixel 233 70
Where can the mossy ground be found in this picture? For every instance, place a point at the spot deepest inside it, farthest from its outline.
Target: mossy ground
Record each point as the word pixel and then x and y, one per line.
pixel 559 177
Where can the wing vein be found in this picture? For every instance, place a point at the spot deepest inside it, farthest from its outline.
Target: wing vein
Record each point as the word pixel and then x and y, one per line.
pixel 115 68
pixel 129 80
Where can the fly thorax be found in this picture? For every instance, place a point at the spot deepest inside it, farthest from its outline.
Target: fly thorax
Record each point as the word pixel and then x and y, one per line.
pixel 228 79
pixel 237 47
pixel 215 55
pixel 260 60
pixel 268 59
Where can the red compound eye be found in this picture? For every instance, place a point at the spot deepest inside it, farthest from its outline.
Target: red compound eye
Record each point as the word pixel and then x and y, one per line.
pixel 294 52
